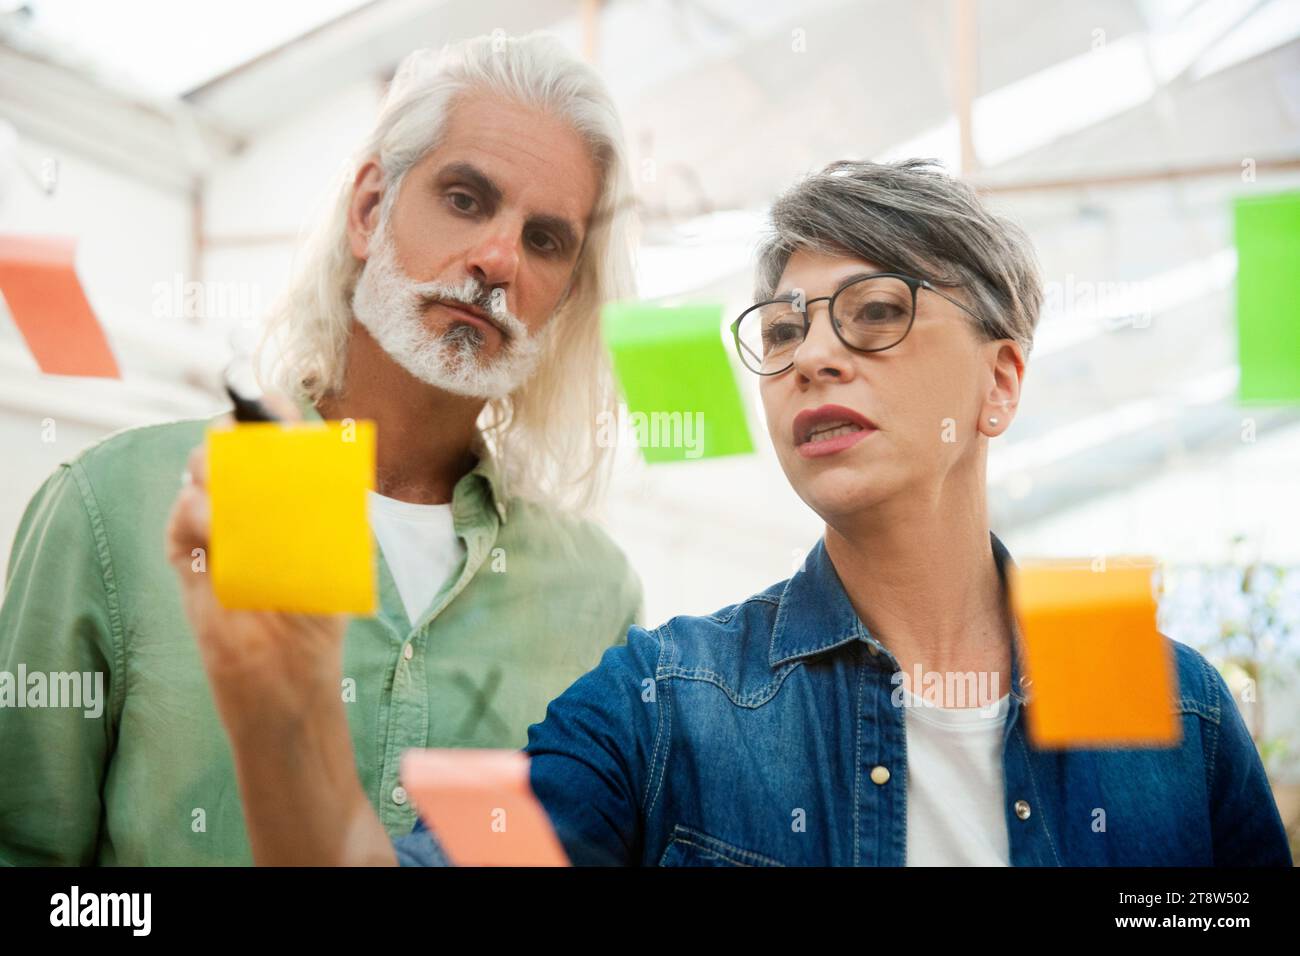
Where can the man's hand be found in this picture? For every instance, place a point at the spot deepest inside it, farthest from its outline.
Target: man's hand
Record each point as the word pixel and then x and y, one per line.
pixel 262 665
pixel 276 679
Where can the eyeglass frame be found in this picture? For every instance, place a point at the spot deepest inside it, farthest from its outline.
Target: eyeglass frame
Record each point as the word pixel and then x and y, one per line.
pixel 912 282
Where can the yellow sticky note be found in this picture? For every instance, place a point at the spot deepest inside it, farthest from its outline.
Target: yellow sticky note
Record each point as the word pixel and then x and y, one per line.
pixel 290 530
pixel 1101 674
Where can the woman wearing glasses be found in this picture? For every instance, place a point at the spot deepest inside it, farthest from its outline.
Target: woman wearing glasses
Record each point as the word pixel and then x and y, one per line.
pixel 893 317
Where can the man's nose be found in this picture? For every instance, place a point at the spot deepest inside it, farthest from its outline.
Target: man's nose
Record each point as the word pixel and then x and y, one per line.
pixel 494 259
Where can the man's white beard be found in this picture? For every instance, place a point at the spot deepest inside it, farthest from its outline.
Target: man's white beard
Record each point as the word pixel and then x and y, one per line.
pixel 391 306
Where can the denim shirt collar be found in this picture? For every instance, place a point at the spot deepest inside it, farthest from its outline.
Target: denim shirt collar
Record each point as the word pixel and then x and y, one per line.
pixel 815 616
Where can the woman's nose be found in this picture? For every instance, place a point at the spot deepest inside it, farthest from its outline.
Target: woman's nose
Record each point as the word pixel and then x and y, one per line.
pixel 822 355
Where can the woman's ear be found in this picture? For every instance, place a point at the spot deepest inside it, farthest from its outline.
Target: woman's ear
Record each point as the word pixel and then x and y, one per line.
pixel 1006 373
pixel 363 210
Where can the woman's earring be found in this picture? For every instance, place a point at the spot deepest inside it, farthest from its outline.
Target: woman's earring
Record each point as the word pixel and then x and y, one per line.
pixel 992 420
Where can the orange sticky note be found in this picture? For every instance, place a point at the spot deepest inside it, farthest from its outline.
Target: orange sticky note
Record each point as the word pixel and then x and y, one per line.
pixel 38 278
pixel 290 529
pixel 1102 675
pixel 481 807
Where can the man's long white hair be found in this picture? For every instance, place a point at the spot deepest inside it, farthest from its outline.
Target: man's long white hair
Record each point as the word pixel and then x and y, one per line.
pixel 544 434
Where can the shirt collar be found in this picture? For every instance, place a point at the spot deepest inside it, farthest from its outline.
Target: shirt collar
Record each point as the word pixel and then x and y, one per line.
pixel 815 614
pixel 486 472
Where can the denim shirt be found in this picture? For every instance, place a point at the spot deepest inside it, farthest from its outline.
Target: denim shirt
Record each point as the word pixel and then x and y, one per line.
pixel 755 737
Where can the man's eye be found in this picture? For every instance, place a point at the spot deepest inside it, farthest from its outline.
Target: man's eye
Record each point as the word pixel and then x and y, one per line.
pixel 543 241
pixel 463 202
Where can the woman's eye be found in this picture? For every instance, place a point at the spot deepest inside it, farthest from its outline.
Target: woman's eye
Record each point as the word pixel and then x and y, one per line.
pixel 878 311
pixel 778 333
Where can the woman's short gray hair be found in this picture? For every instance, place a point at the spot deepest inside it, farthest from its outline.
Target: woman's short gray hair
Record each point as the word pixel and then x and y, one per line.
pixel 910 217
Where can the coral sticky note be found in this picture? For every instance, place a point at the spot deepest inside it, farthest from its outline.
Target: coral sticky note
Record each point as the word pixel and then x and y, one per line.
pixel 481 807
pixel 681 393
pixel 39 282
pixel 1101 675
pixel 290 530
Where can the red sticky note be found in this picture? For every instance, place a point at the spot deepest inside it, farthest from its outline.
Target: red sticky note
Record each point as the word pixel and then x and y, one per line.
pixel 481 807
pixel 38 278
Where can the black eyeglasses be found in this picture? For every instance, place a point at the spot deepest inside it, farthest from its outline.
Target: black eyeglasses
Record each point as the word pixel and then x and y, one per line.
pixel 869 313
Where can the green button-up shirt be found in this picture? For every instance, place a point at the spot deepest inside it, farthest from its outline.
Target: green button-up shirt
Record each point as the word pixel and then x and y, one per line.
pixel 537 599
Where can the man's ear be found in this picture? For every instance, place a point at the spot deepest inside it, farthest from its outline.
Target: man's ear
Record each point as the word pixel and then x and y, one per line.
pixel 363 209
pixel 1006 375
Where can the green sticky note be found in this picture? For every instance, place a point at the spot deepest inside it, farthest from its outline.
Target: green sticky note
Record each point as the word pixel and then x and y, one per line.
pixel 1268 298
pixel 682 399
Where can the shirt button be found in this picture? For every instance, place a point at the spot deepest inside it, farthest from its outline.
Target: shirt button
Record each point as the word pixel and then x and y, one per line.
pixel 399 795
pixel 873 650
pixel 1022 809
pixel 880 775
pixel 408 652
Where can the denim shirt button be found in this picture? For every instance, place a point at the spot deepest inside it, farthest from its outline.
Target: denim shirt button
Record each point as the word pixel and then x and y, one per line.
pixel 873 650
pixel 880 775
pixel 1022 809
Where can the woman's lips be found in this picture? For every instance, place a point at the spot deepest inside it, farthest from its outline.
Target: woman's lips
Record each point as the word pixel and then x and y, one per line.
pixel 829 446
pixel 848 428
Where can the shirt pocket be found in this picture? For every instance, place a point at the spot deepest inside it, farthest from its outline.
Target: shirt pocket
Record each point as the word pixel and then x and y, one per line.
pixel 689 847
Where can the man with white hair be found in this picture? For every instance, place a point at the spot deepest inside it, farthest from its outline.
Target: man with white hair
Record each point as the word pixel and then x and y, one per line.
pixel 452 296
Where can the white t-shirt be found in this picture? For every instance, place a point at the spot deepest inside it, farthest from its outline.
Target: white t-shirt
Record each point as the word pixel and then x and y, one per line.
pixel 420 545
pixel 955 787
